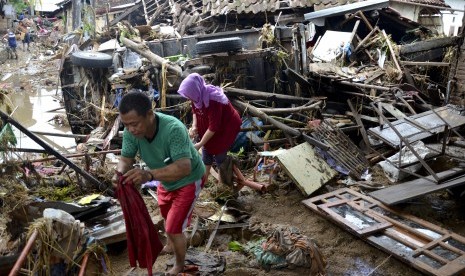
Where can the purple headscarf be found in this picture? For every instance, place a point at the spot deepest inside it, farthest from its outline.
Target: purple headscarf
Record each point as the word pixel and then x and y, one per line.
pixel 194 88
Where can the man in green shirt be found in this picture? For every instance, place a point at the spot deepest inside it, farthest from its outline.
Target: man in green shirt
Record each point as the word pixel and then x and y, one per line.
pixel 163 143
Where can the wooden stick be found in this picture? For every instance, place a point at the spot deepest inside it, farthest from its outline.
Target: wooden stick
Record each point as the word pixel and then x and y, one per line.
pixel 360 124
pixel 265 95
pixel 365 20
pixel 291 109
pixel 368 86
pixel 393 54
pixel 366 38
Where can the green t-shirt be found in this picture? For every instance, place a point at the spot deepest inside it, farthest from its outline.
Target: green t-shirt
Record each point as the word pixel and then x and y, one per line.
pixel 171 143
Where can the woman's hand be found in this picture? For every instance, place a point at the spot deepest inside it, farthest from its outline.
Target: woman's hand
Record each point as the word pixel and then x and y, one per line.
pixel 197 146
pixel 193 132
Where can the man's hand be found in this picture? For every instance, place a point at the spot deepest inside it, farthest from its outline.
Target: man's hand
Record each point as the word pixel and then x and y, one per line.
pixel 115 178
pixel 197 146
pixel 137 176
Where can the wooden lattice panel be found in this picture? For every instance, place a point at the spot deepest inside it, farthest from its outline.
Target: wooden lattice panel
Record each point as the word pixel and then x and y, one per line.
pixel 427 247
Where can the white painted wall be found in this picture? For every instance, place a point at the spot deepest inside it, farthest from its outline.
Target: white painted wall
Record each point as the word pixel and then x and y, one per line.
pixel 408 11
pixel 452 20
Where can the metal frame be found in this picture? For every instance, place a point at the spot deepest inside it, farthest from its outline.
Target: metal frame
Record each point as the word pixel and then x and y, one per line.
pixel 404 141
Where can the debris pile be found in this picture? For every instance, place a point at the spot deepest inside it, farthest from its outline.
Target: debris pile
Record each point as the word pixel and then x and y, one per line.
pixel 361 100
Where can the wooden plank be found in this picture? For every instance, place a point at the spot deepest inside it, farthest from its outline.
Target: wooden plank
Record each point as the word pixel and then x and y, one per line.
pixel 308 171
pixel 415 188
pixel 393 111
pixel 360 124
pixel 424 63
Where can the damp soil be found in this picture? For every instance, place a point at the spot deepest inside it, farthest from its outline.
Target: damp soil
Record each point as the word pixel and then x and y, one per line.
pixel 345 253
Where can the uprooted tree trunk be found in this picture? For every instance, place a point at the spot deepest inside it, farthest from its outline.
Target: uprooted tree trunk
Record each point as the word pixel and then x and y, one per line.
pixel 144 51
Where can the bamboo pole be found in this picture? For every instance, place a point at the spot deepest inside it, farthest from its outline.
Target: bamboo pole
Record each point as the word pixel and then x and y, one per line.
pixel 76 155
pixel 60 134
pixel 82 270
pixel 22 257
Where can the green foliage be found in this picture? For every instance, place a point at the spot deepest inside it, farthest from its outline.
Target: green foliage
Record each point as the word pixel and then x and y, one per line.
pixel 238 154
pixel 19 5
pixel 58 194
pixel 235 246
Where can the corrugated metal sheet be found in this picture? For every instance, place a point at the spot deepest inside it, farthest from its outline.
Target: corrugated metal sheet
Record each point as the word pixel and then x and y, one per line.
pixel 217 7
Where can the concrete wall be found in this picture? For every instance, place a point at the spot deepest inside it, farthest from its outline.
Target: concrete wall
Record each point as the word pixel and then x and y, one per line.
pixel 452 20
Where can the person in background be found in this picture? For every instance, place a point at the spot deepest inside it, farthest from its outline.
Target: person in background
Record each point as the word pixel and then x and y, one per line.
pixel 12 44
pixel 163 143
pixel 27 39
pixel 215 121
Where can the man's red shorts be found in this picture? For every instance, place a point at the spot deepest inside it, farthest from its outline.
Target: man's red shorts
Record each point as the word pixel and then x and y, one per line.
pixel 176 206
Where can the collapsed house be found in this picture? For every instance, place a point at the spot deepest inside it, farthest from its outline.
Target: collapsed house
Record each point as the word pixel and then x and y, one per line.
pixel 340 87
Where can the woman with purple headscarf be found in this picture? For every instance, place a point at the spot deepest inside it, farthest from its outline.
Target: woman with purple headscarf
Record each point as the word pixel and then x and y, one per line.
pixel 215 122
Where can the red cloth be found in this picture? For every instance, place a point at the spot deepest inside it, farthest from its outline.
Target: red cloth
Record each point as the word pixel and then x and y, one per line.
pixel 222 119
pixel 143 242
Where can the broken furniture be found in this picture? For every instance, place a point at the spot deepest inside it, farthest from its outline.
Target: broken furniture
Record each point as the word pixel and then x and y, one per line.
pixel 405 131
pixel 427 247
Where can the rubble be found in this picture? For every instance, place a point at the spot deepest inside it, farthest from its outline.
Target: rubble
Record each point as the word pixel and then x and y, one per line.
pixel 331 95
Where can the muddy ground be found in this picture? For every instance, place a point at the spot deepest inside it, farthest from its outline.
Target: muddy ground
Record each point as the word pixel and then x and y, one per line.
pixel 345 253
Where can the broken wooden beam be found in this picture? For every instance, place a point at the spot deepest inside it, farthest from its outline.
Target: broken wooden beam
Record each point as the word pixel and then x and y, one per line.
pixel 365 39
pixel 393 54
pixel 125 13
pixel 360 124
pixel 367 86
pixel 426 45
pixel 265 95
pixel 424 63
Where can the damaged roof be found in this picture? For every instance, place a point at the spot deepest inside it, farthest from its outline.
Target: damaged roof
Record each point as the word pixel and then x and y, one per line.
pixel 115 3
pixel 218 7
pixel 324 4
